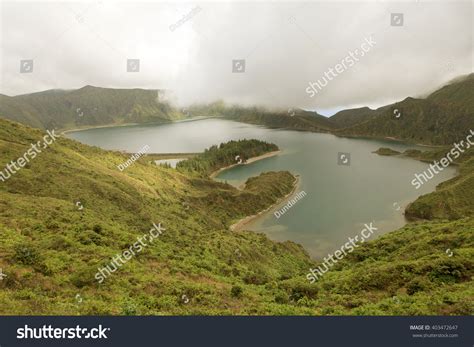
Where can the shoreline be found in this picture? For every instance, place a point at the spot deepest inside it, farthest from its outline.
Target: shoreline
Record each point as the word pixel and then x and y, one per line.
pixel 241 223
pixel 237 226
pixel 335 133
pixel 89 127
pixel 389 138
pixel 249 161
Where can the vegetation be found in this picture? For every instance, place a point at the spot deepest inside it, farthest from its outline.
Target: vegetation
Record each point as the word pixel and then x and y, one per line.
pixel 351 117
pixel 386 151
pixel 410 271
pixel 294 119
pixel 452 199
pixel 69 211
pixel 442 118
pixel 50 249
pixel 226 154
pixel 288 119
pixel 439 119
pixel 88 106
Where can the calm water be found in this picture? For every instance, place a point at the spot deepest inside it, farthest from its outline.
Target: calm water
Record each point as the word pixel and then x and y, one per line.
pixel 339 199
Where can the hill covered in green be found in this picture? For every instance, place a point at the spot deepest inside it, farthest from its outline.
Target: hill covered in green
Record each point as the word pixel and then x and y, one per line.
pixel 292 119
pixel 452 199
pixel 51 248
pixel 439 119
pixel 442 118
pixel 87 106
pixel 70 211
pixel 351 117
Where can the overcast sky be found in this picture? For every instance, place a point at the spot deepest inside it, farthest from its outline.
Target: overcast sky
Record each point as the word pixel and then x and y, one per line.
pixel 189 48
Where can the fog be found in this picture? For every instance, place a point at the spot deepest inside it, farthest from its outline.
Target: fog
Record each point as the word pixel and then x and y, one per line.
pixel 189 48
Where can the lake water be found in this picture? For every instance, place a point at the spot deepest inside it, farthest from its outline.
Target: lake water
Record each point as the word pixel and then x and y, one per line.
pixel 339 198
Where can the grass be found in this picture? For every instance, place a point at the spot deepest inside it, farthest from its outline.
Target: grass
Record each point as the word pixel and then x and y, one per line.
pixel 50 250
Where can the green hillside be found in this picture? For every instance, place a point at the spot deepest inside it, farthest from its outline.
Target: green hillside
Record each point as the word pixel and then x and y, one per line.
pixel 350 117
pixel 443 117
pixel 70 211
pixel 439 119
pixel 293 119
pixel 453 199
pixel 88 106
pixel 51 250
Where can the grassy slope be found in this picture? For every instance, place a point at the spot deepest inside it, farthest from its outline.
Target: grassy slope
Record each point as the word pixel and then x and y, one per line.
pixel 87 106
pixel 452 199
pixel 443 117
pixel 50 250
pixel 405 272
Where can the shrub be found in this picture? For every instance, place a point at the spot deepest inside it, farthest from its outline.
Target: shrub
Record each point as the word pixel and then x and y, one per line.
pixel 448 272
pixel 97 229
pixel 258 277
pixel 84 276
pixel 415 285
pixel 281 298
pixel 236 291
pixel 129 308
pixel 26 254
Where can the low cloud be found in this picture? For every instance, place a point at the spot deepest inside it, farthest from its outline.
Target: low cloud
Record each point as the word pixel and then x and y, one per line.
pixel 284 45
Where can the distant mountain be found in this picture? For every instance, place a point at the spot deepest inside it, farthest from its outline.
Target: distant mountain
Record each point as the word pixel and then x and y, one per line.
pixel 442 118
pixel 350 117
pixel 294 119
pixel 87 106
